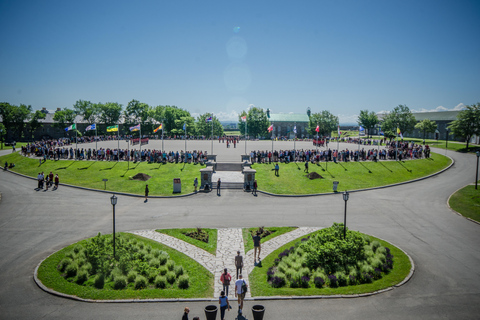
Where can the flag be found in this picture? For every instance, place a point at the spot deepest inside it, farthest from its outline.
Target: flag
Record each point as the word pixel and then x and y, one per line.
pixel 185 126
pixel 361 128
pixel 244 118
pixel 112 128
pixel 91 127
pixel 380 132
pixel 270 129
pixel 317 129
pixel 339 132
pixel 72 127
pixel 399 133
pixel 208 119
pixel 295 129
pixel 135 128
pixel 159 128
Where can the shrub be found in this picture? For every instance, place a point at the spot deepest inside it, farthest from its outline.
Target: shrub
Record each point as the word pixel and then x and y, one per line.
pixel 382 250
pixel 270 273
pixel 332 281
pixel 87 267
pixel 63 264
pixel 178 271
pixel 119 282
pixel 296 266
pixel 160 282
pixel 171 277
pixel 142 254
pixel 82 276
pixel 352 280
pixel 304 272
pixel 99 281
pixel 279 280
pixel 170 265
pixel 148 248
pixel 152 275
pixel 305 282
pixel 183 281
pixel 380 256
pixel 282 267
pixel 290 273
pixel 375 245
pixel 71 269
pixel 163 258
pixel 140 282
pixel 77 248
pixel 131 276
pixel 162 270
pixel 141 245
pixel 376 263
pixel 154 263
pixel 341 279
pixel 319 282
pixel 116 272
pixel 155 253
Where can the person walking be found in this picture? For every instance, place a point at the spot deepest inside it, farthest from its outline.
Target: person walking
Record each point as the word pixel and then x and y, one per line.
pixel 146 193
pixel 240 291
pixel 277 167
pixel 225 279
pixel 256 245
pixel 238 262
pixel 195 184
pixel 224 304
pixel 57 180
pixel 254 190
pixel 186 311
pixel 218 186
pixel 306 167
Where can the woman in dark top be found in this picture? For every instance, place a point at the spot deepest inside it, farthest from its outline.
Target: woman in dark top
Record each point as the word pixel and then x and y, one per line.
pixel 256 245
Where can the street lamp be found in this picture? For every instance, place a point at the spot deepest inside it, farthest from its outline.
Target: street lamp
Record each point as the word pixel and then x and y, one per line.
pixel 345 198
pixel 446 141
pixel 113 200
pixel 476 176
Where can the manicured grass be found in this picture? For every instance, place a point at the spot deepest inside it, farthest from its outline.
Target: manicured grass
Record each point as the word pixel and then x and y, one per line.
pixel 211 246
pixel 260 287
pixel 90 174
pixel 18 146
pixel 201 281
pixel 248 241
pixel 351 175
pixel 466 201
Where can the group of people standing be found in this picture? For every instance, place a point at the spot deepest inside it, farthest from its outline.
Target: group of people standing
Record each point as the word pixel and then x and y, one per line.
pixel 47 180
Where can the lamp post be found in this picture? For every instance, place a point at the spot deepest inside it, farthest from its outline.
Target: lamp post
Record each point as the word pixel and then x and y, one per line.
pixel 113 200
pixel 345 198
pixel 476 176
pixel 446 141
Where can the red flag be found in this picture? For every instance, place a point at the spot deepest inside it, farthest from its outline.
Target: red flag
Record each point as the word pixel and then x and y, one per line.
pixel 270 129
pixel 317 129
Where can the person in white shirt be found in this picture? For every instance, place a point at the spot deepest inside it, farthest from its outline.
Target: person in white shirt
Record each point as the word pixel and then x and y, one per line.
pixel 239 292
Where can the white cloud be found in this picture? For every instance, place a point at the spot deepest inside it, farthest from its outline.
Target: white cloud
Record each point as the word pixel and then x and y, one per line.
pixel 345 118
pixel 458 107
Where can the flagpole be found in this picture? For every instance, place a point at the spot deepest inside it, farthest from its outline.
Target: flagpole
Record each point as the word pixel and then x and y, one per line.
pixel 118 143
pixel 295 140
pixel 140 142
pixel 96 140
pixel 338 138
pixel 185 124
pixel 245 136
pixel 396 146
pixel 272 137
pixel 76 141
pixel 316 144
pixel 162 140
pixel 212 133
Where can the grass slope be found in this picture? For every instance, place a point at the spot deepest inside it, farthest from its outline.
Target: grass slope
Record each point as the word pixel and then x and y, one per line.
pixel 351 175
pixel 466 201
pixel 201 281
pixel 211 246
pixel 90 174
pixel 260 287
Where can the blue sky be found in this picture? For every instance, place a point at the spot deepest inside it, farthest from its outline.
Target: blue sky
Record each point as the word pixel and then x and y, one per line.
pixel 223 56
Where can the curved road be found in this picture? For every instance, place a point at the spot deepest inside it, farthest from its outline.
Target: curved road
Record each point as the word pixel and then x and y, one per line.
pixel 443 245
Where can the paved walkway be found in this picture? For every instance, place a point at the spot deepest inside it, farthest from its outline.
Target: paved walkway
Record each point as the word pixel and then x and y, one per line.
pixel 229 241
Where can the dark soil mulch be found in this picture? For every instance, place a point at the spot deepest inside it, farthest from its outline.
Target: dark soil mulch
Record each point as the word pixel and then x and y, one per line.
pixel 141 177
pixel 314 175
pixel 198 235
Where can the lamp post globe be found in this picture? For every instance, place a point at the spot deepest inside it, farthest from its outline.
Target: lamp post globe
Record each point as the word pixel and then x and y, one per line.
pixel 345 198
pixel 113 200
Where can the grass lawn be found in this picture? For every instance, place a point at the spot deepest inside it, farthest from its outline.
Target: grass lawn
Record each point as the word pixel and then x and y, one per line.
pixel 201 281
pixel 466 201
pixel 351 175
pixel 18 146
pixel 276 231
pixel 211 246
pixel 90 174
pixel 260 287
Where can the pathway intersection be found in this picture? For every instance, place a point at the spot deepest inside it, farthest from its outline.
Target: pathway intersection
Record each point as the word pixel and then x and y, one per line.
pixel 229 241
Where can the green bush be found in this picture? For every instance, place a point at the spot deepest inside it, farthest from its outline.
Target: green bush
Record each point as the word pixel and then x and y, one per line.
pixel 171 277
pixel 152 275
pixel 71 269
pixel 290 273
pixel 375 246
pixel 160 282
pixel 183 281
pixel 341 279
pixel 82 276
pixel 99 281
pixel 170 265
pixel 163 270
pixel 131 276
pixel 154 263
pixel 119 282
pixel 64 263
pixel 163 258
pixel 282 267
pixel 140 282
pixel 178 271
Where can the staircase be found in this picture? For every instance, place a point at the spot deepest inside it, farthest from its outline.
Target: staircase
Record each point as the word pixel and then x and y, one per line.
pixel 230 174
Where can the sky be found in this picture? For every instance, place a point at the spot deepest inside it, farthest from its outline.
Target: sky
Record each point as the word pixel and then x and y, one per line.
pixel 226 56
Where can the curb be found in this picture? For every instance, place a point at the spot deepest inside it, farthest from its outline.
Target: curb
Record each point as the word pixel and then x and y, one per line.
pixel 260 298
pixel 456 212
pixel 360 190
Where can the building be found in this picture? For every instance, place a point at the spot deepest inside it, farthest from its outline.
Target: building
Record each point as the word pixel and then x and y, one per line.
pixel 285 123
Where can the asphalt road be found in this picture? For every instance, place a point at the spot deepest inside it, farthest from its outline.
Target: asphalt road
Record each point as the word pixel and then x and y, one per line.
pixel 415 217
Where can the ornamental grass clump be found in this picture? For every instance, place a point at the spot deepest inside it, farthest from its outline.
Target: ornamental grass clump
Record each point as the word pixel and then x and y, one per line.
pixel 183 281
pixel 330 259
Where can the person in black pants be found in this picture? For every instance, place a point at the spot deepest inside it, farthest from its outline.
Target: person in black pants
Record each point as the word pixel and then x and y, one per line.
pixel 218 186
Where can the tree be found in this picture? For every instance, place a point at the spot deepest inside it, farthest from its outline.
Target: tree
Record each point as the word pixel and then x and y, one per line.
pixel 6 111
pixel 110 113
pixel 401 117
pixel 204 128
pixel 138 112
pixel 241 123
pixel 257 122
pixel 188 121
pixel 88 110
pixel 368 120
pixel 426 125
pixel 34 124
pixel 2 133
pixel 326 122
pixel 467 123
pixel 171 117
pixel 64 117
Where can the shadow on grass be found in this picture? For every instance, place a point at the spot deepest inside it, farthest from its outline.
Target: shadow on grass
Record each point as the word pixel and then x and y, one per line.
pixel 85 168
pixel 183 166
pixel 297 166
pixel 126 171
pixel 319 165
pixel 62 168
pixel 400 163
pixel 384 166
pixel 342 166
pixel 369 171
pixel 110 168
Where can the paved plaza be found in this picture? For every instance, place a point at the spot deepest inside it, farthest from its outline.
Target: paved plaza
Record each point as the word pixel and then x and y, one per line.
pixel 414 216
